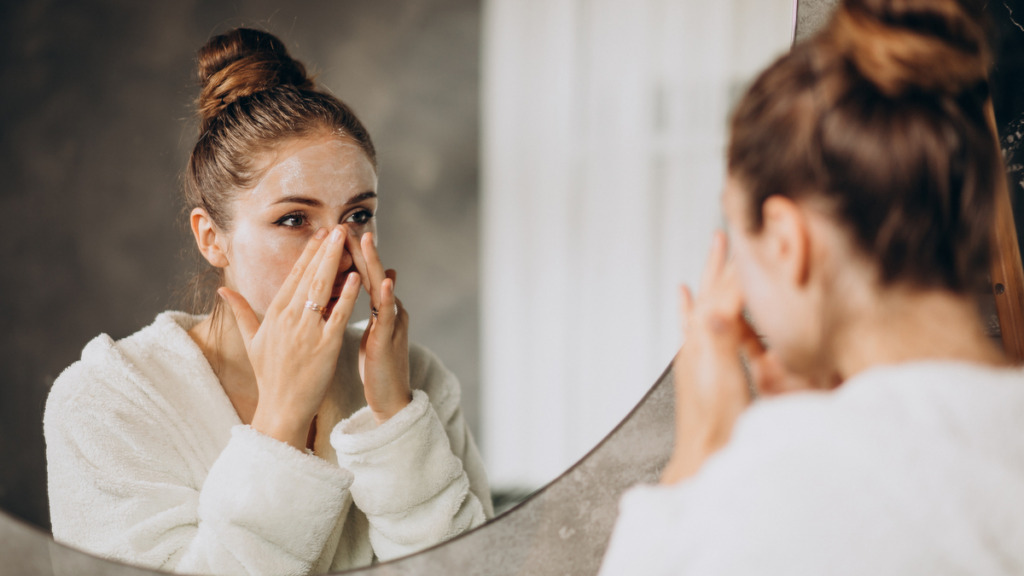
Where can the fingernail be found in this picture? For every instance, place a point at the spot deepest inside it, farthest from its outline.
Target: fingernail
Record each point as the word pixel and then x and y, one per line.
pixel 335 235
pixel 320 234
pixel 353 278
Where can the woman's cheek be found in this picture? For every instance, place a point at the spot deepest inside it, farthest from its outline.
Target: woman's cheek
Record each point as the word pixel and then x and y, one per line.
pixel 770 312
pixel 263 263
pixel 755 293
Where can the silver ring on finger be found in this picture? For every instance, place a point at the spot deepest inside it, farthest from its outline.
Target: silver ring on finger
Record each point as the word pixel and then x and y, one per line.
pixel 310 305
pixel 374 312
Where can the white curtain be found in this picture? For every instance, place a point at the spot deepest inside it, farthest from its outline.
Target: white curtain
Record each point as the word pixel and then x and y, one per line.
pixel 604 127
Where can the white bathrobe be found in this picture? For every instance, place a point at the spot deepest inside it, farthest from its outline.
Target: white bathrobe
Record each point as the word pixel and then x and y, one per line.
pixel 148 463
pixel 908 469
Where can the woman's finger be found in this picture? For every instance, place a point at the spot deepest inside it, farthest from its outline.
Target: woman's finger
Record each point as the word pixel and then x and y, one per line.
pixel 685 307
pixel 400 313
pixel 750 342
pixel 360 261
pixel 321 283
pixel 387 311
pixel 730 279
pixel 287 289
pixel 686 302
pixel 401 332
pixel 342 310
pixel 373 267
pixel 715 263
pixel 246 319
pixel 301 292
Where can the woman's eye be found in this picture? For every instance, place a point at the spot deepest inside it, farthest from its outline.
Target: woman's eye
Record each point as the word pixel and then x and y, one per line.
pixel 291 220
pixel 360 217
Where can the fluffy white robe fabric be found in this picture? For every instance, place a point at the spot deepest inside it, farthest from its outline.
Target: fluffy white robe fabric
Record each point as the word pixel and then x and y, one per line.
pixel 148 463
pixel 907 469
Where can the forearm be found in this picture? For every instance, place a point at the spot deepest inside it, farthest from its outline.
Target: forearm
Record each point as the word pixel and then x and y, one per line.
pixel 411 486
pixel 285 426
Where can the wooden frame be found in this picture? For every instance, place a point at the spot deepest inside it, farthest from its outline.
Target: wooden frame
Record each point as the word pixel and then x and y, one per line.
pixel 1007 274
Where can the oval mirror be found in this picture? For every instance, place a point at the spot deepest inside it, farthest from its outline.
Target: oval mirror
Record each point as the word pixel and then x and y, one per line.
pixel 531 161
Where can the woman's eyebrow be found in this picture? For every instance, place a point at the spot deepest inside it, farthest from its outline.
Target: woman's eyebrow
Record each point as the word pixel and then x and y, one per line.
pixel 316 203
pixel 299 200
pixel 360 197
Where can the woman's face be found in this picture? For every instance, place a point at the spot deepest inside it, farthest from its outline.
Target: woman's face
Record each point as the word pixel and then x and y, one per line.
pixel 774 305
pixel 311 184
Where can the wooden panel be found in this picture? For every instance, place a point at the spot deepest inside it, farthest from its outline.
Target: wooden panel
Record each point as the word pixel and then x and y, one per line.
pixel 1007 274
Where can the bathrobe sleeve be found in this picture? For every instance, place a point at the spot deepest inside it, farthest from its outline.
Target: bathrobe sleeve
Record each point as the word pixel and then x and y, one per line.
pixel 121 465
pixel 418 477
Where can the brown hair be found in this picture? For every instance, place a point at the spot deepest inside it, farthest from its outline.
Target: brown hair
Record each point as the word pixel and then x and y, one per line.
pixel 253 98
pixel 883 115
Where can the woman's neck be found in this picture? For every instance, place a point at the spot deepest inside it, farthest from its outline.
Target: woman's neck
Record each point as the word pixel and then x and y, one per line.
pixel 908 325
pixel 218 337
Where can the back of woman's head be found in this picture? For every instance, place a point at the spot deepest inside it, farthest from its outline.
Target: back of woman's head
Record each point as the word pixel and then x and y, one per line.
pixel 882 117
pixel 254 96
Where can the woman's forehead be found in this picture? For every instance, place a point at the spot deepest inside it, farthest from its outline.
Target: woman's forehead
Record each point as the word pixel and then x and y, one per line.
pixel 332 166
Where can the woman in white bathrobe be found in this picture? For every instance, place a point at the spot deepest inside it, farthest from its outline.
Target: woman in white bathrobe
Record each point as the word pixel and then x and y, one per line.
pixel 888 434
pixel 269 436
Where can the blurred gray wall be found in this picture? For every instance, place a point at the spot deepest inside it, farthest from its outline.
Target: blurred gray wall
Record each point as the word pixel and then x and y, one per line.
pixel 96 124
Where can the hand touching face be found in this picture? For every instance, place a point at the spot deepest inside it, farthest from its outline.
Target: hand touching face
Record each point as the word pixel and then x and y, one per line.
pixel 712 384
pixel 310 184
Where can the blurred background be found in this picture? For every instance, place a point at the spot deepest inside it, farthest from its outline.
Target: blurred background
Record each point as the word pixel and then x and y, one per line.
pixel 550 172
pixel 604 132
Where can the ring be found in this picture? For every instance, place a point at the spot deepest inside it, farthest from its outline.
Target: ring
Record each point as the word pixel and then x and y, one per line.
pixel 310 305
pixel 374 311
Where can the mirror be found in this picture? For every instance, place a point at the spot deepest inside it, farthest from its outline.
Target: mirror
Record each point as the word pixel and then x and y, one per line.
pixel 98 133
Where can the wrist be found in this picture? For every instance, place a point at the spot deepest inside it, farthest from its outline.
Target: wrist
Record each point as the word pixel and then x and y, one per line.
pixel 290 430
pixel 383 412
pixel 687 459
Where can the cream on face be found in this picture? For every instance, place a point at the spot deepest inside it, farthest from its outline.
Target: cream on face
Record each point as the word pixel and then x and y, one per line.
pixel 311 184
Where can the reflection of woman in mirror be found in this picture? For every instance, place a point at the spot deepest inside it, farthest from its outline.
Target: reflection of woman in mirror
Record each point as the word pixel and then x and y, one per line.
pixel 859 201
pixel 267 437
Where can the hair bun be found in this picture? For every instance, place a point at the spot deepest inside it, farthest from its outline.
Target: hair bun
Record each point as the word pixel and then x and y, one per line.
pixel 241 63
pixel 901 45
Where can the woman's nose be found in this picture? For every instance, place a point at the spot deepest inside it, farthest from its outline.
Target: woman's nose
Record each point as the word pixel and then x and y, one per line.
pixel 346 254
pixel 346 262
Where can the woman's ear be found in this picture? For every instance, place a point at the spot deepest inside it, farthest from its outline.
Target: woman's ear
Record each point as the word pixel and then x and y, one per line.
pixel 211 241
pixel 787 239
